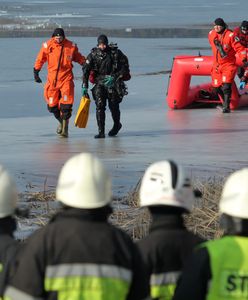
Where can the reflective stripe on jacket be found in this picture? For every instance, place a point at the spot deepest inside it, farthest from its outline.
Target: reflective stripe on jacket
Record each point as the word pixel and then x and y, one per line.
pixel 88 281
pixel 163 285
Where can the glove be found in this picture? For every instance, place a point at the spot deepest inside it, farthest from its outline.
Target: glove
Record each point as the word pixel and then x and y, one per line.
pixel 84 91
pixel 109 81
pixel 242 85
pixel 36 76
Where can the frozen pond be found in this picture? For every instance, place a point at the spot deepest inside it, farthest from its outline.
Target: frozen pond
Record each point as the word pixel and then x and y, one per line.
pixel 116 14
pixel 207 142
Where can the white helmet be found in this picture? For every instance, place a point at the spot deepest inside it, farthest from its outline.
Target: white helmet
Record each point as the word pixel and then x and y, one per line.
pixel 234 198
pixel 164 183
pixel 8 194
pixel 84 183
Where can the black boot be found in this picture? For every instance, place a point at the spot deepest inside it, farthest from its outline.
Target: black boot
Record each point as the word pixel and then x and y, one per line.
pixel 57 114
pixel 116 128
pixel 100 117
pixel 116 115
pixel 59 128
pixel 226 104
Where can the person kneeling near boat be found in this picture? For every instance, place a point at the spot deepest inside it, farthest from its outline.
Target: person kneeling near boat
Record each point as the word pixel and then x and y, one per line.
pixel 224 45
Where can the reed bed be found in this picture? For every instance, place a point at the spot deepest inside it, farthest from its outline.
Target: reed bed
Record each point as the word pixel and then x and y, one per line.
pixel 203 220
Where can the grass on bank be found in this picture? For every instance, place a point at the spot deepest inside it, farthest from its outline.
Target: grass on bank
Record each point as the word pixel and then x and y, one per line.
pixel 204 219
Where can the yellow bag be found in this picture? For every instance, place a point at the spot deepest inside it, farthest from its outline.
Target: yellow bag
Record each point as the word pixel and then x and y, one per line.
pixel 83 112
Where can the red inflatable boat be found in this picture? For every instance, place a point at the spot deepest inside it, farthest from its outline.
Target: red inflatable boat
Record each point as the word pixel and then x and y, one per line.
pixel 181 95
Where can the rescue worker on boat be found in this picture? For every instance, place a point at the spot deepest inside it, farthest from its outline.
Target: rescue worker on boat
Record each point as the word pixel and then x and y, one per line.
pixel 110 68
pixel 168 194
pixel 224 46
pixel 9 246
pixel 79 254
pixel 241 33
pixel 218 269
pixel 59 53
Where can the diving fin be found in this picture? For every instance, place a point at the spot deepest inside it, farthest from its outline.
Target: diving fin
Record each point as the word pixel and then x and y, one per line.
pixel 82 115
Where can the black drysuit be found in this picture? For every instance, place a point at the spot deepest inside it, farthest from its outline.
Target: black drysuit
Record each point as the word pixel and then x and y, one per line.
pixel 102 63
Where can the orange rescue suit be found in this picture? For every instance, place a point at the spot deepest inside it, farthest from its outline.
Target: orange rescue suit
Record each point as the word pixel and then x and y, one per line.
pixel 243 38
pixel 59 55
pixel 224 68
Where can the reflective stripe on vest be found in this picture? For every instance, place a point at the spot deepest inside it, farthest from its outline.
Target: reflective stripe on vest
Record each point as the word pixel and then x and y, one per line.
pixel 229 268
pixel 88 281
pixel 163 285
pixel 12 293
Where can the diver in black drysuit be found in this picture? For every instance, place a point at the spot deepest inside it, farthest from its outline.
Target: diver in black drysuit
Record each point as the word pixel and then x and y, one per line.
pixel 109 67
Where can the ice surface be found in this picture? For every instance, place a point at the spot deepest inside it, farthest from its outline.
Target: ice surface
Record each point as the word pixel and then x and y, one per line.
pixel 205 141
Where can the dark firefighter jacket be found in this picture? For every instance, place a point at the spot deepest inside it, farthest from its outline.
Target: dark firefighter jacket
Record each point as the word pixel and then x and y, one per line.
pixel 79 255
pixel 216 271
pixel 165 251
pixel 110 61
pixel 8 250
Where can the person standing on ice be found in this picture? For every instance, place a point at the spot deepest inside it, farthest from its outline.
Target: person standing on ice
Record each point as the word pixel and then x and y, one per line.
pixel 218 269
pixel 59 53
pixel 224 47
pixel 167 192
pixel 110 68
pixel 79 254
pixel 241 33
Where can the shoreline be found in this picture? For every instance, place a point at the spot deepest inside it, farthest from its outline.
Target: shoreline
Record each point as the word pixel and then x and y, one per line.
pixel 19 31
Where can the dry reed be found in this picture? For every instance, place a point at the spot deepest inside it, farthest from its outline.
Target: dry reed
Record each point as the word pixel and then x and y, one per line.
pixel 203 220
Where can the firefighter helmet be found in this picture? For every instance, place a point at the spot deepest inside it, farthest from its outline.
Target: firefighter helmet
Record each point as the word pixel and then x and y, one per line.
pixel 84 183
pixel 234 198
pixel 165 183
pixel 8 194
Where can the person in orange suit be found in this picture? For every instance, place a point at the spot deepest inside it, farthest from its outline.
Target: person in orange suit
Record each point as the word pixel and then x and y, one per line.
pixel 241 33
pixel 59 53
pixel 224 47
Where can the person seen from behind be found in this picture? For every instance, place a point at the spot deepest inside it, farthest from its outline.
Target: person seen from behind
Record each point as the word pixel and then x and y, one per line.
pixel 79 254
pixel 59 53
pixel 241 33
pixel 8 209
pixel 107 68
pixel 219 268
pixel 168 194
pixel 224 47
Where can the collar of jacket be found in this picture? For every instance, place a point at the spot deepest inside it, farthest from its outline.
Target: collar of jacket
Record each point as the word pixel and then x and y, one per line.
pixel 167 221
pixel 58 44
pixel 222 32
pixel 97 215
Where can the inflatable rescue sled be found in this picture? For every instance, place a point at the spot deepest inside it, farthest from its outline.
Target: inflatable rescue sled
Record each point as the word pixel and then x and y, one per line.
pixel 181 95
